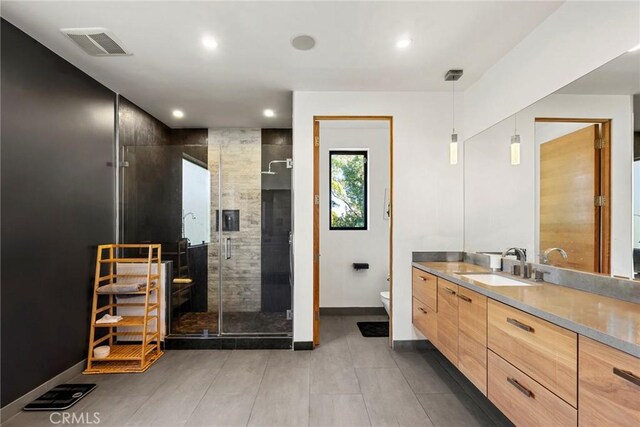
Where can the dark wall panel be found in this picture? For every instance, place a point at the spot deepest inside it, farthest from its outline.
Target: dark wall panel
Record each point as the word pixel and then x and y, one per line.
pixel 57 206
pixel 276 221
pixel 137 127
pixel 152 182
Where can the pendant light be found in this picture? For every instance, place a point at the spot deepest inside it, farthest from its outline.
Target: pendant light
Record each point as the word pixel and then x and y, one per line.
pixel 515 143
pixel 453 76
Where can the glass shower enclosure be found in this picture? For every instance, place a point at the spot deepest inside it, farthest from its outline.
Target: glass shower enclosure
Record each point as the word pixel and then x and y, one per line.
pixel 222 211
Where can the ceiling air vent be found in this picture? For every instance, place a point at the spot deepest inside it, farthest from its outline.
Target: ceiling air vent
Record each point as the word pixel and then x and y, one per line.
pixel 96 41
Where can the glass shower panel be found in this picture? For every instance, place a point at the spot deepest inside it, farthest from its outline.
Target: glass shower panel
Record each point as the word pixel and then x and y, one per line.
pixel 254 224
pixel 166 196
pixel 222 213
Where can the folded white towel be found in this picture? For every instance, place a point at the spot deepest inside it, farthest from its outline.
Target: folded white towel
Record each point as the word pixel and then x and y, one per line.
pixel 115 288
pixel 107 318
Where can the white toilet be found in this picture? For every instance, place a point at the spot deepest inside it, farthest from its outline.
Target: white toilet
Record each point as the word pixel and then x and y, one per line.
pixel 384 297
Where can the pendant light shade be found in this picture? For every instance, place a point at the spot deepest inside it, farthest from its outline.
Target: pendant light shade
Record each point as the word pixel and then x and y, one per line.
pixel 515 150
pixel 453 149
pixel 515 143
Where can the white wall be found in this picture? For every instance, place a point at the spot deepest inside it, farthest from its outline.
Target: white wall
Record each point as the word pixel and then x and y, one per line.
pixel 501 200
pixel 340 284
pixel 576 39
pixel 427 200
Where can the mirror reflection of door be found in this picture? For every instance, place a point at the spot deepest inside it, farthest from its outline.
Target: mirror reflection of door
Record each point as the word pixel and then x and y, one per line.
pixel 636 192
pixel 574 193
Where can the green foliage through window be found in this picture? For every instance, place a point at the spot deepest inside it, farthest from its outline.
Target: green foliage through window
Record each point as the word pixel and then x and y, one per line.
pixel 348 192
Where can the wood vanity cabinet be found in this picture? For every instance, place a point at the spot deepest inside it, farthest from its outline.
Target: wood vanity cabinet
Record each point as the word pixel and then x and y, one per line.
pixel 425 303
pixel 425 320
pixel 609 387
pixel 544 351
pixel 523 400
pixel 472 337
pixel 425 288
pixel 448 320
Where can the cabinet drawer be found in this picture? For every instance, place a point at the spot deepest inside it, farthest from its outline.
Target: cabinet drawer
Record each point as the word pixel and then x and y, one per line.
pixel 523 400
pixel 609 386
pixel 425 320
pixel 425 288
pixel 472 337
pixel 542 350
pixel 448 320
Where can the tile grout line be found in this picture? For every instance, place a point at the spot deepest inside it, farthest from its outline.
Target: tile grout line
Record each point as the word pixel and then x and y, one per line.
pixel 253 405
pixel 412 390
pixel 464 389
pixel 208 388
pixel 142 404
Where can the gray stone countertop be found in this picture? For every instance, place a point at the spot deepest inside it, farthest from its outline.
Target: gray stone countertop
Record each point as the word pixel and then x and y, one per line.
pixel 612 322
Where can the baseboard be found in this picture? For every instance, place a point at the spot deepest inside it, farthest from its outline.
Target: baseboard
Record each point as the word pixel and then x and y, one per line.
pixel 302 345
pixel 352 311
pixel 228 343
pixel 14 408
pixel 412 345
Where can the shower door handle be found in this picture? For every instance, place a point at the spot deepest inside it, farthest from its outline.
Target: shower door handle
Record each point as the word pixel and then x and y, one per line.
pixel 227 248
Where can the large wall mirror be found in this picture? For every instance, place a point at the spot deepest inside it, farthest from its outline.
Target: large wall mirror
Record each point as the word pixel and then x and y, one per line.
pixel 563 173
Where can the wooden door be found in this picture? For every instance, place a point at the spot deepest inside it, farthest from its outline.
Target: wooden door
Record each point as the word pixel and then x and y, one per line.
pixel 569 184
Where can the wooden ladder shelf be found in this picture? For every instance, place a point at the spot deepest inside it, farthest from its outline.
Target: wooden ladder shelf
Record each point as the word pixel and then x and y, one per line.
pixel 132 356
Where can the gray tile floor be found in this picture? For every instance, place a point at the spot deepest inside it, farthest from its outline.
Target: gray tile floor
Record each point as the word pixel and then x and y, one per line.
pixel 348 381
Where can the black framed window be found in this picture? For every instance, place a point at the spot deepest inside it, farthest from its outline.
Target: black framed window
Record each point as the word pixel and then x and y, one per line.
pixel 348 199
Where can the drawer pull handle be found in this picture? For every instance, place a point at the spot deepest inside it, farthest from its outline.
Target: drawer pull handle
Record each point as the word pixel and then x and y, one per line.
pixel 627 375
pixel 520 325
pixel 451 291
pixel 422 310
pixel 424 279
pixel 522 389
pixel 464 298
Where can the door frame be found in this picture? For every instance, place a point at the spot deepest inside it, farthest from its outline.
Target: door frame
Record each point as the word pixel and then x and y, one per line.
pixel 316 218
pixel 604 170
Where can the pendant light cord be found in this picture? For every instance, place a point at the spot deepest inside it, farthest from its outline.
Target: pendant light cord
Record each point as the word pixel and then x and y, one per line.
pixel 453 103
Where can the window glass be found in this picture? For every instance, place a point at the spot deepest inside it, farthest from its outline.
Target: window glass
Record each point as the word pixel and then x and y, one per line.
pixel 348 190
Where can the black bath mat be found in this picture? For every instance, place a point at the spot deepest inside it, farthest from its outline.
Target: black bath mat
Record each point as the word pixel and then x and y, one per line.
pixel 374 329
pixel 60 397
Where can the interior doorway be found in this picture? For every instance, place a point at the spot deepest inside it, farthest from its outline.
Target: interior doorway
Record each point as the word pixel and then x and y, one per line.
pixel 575 191
pixel 345 212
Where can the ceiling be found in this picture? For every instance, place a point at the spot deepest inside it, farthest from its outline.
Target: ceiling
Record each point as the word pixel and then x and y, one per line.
pixel 620 76
pixel 255 67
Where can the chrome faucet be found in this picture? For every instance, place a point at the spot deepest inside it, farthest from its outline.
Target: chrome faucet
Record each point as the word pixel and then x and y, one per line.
pixel 521 270
pixel 545 254
pixel 193 216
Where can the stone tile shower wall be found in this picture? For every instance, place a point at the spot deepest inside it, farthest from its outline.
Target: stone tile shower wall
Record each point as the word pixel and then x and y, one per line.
pixel 241 153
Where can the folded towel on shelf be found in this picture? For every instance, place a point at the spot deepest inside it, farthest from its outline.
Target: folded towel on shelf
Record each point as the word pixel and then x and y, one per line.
pixel 114 288
pixel 107 318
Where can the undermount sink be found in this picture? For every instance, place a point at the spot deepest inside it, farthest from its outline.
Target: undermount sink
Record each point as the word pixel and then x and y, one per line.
pixel 494 280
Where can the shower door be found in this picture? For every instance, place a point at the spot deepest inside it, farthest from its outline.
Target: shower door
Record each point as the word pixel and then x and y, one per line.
pixel 224 225
pixel 253 224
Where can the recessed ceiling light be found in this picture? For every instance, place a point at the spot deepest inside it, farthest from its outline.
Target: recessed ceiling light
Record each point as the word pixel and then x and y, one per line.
pixel 178 114
pixel 403 43
pixel 209 42
pixel 303 42
pixel 633 49
pixel 269 113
